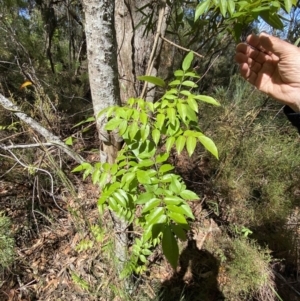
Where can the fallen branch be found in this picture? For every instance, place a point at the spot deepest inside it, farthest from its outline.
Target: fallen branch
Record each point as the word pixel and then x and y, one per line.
pixel 6 147
pixel 50 138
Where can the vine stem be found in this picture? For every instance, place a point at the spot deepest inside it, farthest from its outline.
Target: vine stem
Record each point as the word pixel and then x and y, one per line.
pixel 180 47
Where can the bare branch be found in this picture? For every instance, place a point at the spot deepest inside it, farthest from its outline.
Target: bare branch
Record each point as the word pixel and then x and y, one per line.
pixel 180 47
pixel 51 138
pixel 6 147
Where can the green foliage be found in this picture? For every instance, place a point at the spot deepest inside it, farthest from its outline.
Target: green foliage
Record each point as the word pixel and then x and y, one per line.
pixel 140 186
pixel 239 14
pixel 248 268
pixel 6 242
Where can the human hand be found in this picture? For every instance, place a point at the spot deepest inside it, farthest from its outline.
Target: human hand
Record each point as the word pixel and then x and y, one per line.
pixel 272 66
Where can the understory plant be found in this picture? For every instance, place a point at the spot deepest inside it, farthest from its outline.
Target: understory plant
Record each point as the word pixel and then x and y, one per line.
pixel 6 242
pixel 140 186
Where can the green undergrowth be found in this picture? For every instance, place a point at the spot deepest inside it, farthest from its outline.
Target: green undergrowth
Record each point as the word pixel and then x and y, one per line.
pixel 260 158
pixel 244 271
pixel 255 185
pixel 6 242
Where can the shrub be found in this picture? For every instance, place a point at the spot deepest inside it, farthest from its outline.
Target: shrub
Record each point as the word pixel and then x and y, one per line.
pixel 6 242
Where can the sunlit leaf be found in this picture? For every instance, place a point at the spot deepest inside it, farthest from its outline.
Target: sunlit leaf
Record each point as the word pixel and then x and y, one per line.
pixel 288 5
pixel 151 204
pixel 223 7
pixel 209 145
pixel 201 8
pixel 193 104
pixel 143 177
pixel 171 115
pixel 186 64
pixel 69 141
pixel 191 143
pixel 153 80
pixel 165 168
pixel 177 217
pixel 169 143
pixel 207 99
pixel 160 119
pixel 26 84
pixel 189 83
pixel 180 143
pixel 230 6
pixel 154 216
pixel 187 210
pixel 189 195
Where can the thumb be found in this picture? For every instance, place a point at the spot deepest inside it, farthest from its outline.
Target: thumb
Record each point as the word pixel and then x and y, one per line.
pixel 275 45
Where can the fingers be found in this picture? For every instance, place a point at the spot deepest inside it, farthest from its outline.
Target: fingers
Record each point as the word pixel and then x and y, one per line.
pixel 273 44
pixel 242 58
pixel 248 74
pixel 254 53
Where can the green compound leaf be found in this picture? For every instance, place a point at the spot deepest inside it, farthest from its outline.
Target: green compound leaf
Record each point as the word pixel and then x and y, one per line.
pixel 155 215
pixel 143 177
pixel 187 211
pixel 191 143
pixel 272 19
pixel 151 204
pixel 170 247
pixel 165 168
pixel 162 158
pixel 155 136
pixel 171 115
pixel 177 217
pixel 230 6
pixel 193 104
pixel 175 208
pixel 160 120
pixel 153 80
pixel 144 198
pixel 223 7
pixel 201 8
pixel 288 5
pixel 189 83
pixel 112 124
pixel 179 73
pixel 180 143
pixel 207 99
pixel 169 143
pixel 172 200
pixel 83 166
pixel 175 82
pixel 209 145
pixel 186 64
pixel 189 195
pixel 181 107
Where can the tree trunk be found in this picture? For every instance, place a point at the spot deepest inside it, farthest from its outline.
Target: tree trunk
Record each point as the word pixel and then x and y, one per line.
pixel 103 77
pixel 135 43
pixel 102 65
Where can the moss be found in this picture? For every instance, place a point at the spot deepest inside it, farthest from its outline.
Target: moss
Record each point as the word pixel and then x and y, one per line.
pixel 6 242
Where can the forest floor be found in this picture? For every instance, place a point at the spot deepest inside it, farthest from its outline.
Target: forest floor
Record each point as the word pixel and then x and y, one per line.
pixel 49 266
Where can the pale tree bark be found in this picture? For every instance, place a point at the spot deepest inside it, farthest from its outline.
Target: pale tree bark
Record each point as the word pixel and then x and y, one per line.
pixel 102 65
pixel 135 44
pixel 103 77
pixel 50 138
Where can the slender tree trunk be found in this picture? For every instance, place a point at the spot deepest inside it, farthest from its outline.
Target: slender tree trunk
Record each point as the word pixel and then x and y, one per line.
pixel 103 77
pixel 102 65
pixel 135 42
